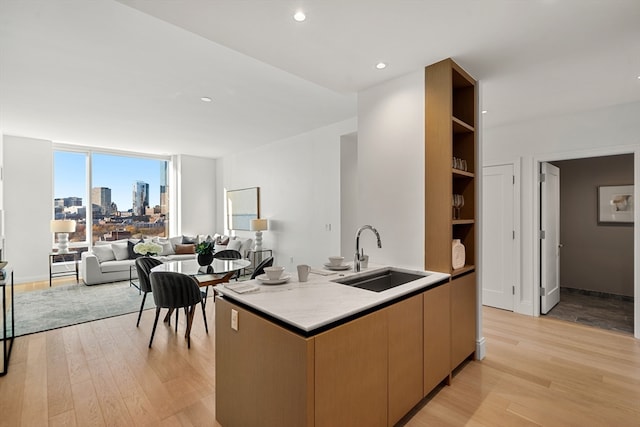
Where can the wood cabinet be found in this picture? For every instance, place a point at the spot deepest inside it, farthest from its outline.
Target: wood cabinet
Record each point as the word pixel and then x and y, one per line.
pixel 463 318
pixel 437 337
pixel 264 373
pixel 351 373
pixel 450 132
pixel 405 326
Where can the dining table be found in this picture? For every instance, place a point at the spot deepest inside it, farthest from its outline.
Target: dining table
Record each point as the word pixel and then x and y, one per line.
pixel 218 272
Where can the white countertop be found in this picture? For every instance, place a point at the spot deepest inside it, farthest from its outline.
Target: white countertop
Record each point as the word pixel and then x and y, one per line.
pixel 318 302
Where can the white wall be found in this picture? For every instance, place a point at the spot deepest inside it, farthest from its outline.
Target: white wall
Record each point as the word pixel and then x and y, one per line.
pixel 613 130
pixel 299 180
pixel 348 194
pixel 391 170
pixel 196 196
pixel 28 201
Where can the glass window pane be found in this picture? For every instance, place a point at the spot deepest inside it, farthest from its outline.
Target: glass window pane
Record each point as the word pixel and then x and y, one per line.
pixel 129 197
pixel 70 177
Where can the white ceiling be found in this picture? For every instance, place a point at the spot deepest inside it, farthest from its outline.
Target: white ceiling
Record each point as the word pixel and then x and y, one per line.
pixel 129 74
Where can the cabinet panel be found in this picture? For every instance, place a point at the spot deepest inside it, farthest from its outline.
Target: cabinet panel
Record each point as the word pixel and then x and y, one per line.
pixel 264 373
pixel 463 318
pixel 351 373
pixel 437 337
pixel 405 357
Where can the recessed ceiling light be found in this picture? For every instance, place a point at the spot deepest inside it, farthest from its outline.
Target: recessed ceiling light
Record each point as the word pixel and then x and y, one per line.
pixel 299 16
pixel 205 99
pixel 484 111
pixel 381 65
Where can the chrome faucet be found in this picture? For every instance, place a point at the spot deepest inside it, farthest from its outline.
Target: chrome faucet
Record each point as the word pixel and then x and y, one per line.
pixel 357 258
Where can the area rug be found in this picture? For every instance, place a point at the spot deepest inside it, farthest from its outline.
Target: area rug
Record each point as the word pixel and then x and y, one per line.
pixel 52 308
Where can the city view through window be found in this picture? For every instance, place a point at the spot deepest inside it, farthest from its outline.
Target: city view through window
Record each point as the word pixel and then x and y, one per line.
pixel 129 196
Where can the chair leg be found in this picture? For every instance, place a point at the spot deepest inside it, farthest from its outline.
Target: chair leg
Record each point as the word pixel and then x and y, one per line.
pixel 204 316
pixel 190 315
pixel 155 322
pixel 144 297
pixel 177 311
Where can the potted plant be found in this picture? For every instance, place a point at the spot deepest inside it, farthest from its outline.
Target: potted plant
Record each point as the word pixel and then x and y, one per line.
pixel 205 252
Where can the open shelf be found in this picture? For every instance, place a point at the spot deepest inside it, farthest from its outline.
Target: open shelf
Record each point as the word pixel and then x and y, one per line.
pixel 463 270
pixel 463 221
pixel 461 127
pixel 457 173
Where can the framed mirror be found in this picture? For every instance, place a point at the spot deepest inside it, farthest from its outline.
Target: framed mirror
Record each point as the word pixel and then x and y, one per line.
pixel 242 206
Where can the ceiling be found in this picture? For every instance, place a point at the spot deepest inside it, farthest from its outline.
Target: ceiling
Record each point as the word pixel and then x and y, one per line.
pixel 129 74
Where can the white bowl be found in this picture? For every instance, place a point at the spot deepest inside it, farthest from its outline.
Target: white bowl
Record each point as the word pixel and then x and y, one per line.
pixel 274 273
pixel 336 261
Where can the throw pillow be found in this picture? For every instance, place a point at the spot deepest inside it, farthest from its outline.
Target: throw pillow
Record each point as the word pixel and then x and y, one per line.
pixel 186 240
pixel 185 249
pixel 222 240
pixel 167 247
pixel 120 250
pixel 103 253
pixel 175 240
pixel 235 245
pixel 132 253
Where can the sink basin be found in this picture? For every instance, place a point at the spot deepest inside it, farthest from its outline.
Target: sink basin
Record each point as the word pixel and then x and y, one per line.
pixel 380 280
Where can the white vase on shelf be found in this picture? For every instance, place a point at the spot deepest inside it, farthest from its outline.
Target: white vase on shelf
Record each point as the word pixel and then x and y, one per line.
pixel 457 254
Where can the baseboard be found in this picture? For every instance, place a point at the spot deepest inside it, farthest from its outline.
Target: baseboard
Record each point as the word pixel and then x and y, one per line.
pixel 480 348
pixel 597 294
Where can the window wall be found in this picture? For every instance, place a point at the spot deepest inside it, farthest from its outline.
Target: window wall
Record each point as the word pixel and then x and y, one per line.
pixel 110 195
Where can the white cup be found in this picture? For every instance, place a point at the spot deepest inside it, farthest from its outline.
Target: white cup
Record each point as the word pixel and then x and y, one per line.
pixel 336 261
pixel 303 272
pixel 274 273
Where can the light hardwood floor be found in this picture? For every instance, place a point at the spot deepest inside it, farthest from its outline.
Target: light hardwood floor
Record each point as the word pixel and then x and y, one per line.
pixel 537 372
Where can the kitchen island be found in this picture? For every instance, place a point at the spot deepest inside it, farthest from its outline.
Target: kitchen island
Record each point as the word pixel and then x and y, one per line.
pixel 320 353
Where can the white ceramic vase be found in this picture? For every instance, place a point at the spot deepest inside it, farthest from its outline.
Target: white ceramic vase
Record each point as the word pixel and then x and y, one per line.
pixel 457 254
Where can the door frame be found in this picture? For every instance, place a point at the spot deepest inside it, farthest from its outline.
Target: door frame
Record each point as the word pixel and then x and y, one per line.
pixel 517 272
pixel 583 154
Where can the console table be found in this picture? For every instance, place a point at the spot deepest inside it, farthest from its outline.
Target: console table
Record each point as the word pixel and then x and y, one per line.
pixel 68 256
pixel 6 285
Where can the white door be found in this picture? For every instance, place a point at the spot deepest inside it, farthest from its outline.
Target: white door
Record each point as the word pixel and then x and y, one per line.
pixel 549 237
pixel 498 237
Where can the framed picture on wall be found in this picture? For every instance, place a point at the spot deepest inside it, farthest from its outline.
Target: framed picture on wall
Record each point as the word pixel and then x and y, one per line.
pixel 242 206
pixel 615 204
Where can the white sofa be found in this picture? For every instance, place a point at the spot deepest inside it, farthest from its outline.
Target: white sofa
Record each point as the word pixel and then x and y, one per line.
pixel 112 261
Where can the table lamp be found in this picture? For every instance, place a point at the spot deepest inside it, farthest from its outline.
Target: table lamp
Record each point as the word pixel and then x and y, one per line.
pixel 258 225
pixel 63 227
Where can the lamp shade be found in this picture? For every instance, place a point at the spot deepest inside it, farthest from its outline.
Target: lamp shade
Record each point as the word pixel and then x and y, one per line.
pixel 63 226
pixel 259 224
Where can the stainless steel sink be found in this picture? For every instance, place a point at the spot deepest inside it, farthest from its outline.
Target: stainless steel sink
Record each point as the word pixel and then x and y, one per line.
pixel 381 280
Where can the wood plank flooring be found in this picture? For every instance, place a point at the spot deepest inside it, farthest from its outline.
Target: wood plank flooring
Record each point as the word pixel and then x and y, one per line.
pixel 538 372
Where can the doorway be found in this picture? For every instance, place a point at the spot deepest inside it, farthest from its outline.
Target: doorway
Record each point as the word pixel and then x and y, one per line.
pixel 596 257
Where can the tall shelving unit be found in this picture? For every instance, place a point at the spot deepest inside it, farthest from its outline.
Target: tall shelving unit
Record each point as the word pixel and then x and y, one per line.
pixel 450 131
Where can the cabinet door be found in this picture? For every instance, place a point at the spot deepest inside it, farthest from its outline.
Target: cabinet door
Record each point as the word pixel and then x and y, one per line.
pixel 351 373
pixel 463 318
pixel 264 373
pixel 405 357
pixel 437 337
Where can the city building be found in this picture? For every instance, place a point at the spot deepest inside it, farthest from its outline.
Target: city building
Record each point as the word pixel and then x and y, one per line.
pixel 140 197
pixel 101 197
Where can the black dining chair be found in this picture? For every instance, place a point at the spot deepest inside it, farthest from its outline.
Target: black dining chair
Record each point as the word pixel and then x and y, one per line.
pixel 267 262
pixel 174 291
pixel 143 267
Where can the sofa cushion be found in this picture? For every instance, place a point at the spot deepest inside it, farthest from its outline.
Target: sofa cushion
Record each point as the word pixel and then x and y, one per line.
pixel 120 250
pixel 185 249
pixel 113 266
pixel 103 253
